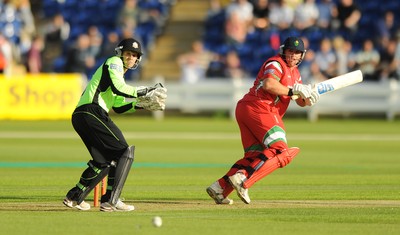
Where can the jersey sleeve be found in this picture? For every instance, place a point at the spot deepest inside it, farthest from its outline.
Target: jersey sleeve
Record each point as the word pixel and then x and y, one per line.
pixel 123 106
pixel 118 85
pixel 272 69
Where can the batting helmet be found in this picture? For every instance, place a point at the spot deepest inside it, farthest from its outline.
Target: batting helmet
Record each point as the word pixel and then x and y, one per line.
pixel 293 43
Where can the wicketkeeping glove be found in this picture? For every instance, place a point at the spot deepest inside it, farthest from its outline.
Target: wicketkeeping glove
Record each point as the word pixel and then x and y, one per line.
pixel 303 90
pixel 152 106
pixel 154 99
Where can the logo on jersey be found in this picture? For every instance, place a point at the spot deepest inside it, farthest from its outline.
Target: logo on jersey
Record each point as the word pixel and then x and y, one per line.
pixel 269 71
pixel 116 67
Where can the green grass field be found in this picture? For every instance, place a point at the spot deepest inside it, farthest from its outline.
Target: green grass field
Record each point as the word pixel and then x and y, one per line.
pixel 346 180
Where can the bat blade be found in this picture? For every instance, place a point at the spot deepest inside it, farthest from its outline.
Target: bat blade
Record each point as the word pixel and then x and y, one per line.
pixel 337 83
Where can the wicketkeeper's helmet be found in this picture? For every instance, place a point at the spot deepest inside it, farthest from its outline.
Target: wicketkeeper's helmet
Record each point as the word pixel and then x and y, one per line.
pixel 130 44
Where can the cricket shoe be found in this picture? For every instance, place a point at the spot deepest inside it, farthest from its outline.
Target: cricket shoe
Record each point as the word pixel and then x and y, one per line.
pixel 120 206
pixel 83 206
pixel 216 192
pixel 236 181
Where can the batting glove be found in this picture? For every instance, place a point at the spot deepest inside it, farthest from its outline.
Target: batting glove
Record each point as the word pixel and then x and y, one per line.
pixel 314 98
pixel 303 90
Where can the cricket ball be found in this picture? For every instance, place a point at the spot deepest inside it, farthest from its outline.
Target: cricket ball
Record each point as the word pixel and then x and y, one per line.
pixel 157 221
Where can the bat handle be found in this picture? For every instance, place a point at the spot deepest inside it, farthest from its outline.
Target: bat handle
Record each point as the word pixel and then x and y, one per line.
pixel 296 96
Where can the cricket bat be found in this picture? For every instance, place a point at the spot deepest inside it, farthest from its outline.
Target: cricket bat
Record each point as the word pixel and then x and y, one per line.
pixel 336 83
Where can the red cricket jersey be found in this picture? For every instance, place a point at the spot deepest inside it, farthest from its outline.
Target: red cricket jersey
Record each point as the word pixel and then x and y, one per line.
pixel 273 68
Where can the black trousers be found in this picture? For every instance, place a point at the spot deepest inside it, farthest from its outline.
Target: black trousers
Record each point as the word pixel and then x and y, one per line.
pixel 103 139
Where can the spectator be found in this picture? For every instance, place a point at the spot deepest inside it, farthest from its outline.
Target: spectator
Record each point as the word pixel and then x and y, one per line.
pixel 260 14
pixel 385 29
pixel 236 30
pixel 243 8
pixel 326 60
pixel 56 33
pixel 227 66
pixel 17 28
pixel 128 15
pixel 239 15
pixel 351 57
pixel 6 56
pixel 214 26
pixel 25 13
pixel 397 55
pixel 9 21
pixel 216 68
pixel 367 59
pixel 24 45
pixel 152 18
pixel 96 41
pixel 306 15
pixel 233 68
pixel 57 30
pixel 34 56
pixel 79 58
pixel 327 9
pixel 387 68
pixel 128 20
pixel 214 9
pixel 28 29
pixel 344 54
pixel 194 64
pixel 305 66
pixel 109 43
pixel 348 15
pixel 281 15
pixel 293 3
pixel 129 30
pixel 3 63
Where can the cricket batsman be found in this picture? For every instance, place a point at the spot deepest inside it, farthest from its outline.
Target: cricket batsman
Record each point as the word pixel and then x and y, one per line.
pixel 111 154
pixel 259 116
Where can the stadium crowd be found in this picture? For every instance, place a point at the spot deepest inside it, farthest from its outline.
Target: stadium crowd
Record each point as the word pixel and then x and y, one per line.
pixel 341 35
pixel 73 35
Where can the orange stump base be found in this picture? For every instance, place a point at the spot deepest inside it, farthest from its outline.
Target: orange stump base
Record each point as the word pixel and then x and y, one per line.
pixel 96 190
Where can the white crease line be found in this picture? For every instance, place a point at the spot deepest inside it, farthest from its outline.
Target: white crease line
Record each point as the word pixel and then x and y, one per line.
pixel 200 136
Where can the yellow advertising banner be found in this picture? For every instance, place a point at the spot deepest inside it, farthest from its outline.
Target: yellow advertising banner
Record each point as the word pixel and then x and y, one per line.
pixel 39 97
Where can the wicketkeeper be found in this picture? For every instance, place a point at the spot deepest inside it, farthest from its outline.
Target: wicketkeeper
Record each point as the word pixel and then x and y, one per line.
pixel 259 116
pixel 111 154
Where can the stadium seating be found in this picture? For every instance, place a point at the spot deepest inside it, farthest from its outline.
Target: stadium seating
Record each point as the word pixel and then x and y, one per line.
pixel 214 32
pixel 83 14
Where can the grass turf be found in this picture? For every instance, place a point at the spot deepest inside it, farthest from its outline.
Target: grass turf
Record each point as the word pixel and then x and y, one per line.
pixel 344 181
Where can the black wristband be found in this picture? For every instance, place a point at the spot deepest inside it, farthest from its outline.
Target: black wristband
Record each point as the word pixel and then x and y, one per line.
pixel 290 92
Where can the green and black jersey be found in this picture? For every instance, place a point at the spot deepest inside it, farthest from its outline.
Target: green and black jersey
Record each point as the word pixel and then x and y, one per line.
pixel 108 89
